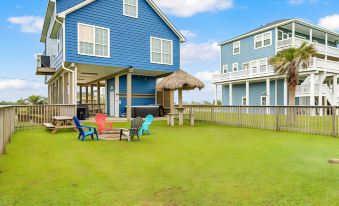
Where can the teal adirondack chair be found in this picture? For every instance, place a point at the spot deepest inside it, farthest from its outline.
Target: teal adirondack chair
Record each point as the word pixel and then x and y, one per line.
pixel 145 126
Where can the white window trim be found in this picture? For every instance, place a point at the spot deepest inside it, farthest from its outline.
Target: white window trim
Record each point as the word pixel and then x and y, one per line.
pixel 249 65
pixel 225 68
pixel 239 47
pixel 136 12
pixel 242 101
pixel 161 62
pixel 94 55
pixel 266 60
pixel 262 40
pixel 261 100
pixel 233 65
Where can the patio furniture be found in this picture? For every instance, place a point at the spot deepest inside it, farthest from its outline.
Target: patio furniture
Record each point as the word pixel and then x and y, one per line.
pixel 136 125
pixel 171 117
pixel 100 120
pixel 145 126
pixel 83 134
pixel 60 122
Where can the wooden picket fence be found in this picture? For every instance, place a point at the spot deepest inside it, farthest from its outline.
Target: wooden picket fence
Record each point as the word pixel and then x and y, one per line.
pixel 322 120
pixel 16 118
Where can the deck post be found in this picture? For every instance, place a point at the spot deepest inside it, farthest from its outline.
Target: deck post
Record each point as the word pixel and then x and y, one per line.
pixel 98 94
pixel 92 96
pixel 86 94
pixel 80 93
pixel 181 115
pixel 129 96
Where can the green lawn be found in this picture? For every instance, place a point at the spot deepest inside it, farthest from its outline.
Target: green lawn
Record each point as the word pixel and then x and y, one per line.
pixel 201 165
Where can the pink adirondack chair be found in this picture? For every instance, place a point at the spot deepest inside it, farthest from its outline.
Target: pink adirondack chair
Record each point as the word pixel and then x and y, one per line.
pixel 100 120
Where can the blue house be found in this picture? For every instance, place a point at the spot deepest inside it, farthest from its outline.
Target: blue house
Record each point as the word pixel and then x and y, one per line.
pixel 247 78
pixel 107 54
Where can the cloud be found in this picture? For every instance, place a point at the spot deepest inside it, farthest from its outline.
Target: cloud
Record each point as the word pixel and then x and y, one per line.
pixel 188 8
pixel 14 89
pixel 205 52
pixel 188 33
pixel 330 22
pixel 28 24
pixel 206 75
pixel 296 2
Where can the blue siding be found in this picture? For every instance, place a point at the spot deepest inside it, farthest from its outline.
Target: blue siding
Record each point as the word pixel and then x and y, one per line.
pixel 63 5
pixel 280 92
pixel 247 52
pixel 129 37
pixel 257 90
pixel 225 95
pixel 140 85
pixel 239 91
pixel 272 93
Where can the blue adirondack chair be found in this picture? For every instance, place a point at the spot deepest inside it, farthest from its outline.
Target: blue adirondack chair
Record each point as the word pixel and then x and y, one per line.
pixel 91 131
pixel 145 126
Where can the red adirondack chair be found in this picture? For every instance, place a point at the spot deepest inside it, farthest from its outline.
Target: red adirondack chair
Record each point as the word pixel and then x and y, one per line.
pixel 100 119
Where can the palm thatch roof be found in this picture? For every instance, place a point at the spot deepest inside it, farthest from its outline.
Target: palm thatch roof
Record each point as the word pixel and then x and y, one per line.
pixel 180 80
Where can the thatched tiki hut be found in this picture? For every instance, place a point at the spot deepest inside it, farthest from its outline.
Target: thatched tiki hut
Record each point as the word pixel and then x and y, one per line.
pixel 179 80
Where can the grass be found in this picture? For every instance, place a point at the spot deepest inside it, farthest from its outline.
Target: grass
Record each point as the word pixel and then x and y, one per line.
pixel 203 165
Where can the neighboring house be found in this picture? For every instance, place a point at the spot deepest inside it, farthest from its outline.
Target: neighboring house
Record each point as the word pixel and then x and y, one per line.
pixel 248 79
pixel 123 46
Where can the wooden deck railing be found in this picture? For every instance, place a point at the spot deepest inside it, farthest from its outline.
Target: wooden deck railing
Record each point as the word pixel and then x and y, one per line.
pixel 7 126
pixel 303 119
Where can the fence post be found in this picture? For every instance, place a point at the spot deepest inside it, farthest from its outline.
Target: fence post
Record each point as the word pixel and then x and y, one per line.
pixel 212 114
pixel 239 121
pixel 277 123
pixel 334 122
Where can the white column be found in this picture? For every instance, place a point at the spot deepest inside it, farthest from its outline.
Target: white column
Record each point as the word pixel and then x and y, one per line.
pixel 293 34
pixel 268 92
pixel 311 35
pixel 230 96
pixel 129 96
pixel 117 97
pixel 312 90
pixel 276 39
pixel 75 84
pixel 247 93
pixel 276 92
pixel 106 97
pixel 335 88
pixel 216 95
pixel 285 92
pixel 326 54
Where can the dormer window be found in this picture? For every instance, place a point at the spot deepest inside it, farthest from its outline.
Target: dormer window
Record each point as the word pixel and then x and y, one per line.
pixel 131 8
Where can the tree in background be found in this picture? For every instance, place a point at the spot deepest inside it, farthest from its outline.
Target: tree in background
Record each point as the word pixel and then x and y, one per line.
pixel 36 100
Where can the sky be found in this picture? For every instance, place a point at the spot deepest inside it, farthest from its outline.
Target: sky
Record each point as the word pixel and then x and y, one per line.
pixel 205 23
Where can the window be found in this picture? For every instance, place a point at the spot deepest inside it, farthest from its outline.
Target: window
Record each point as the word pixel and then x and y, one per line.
pixel 262 63
pixel 225 68
pixel 254 64
pixel 236 48
pixel 263 40
pixel 243 101
pixel 263 100
pixel 131 8
pixel 161 51
pixel 235 67
pixel 93 41
pixel 246 66
pixel 59 41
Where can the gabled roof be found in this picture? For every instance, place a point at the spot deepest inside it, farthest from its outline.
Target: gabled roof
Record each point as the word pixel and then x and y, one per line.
pixel 48 17
pixel 63 14
pixel 277 23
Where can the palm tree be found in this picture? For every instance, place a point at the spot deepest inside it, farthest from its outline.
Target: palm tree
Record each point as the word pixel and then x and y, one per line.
pixel 289 61
pixel 36 100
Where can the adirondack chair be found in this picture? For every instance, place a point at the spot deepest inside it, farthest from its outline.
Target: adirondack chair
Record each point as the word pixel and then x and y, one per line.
pixel 100 120
pixel 145 126
pixel 91 131
pixel 136 125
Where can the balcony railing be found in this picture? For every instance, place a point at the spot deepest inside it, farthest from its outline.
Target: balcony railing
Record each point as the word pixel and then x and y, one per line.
pixel 321 48
pixel 315 64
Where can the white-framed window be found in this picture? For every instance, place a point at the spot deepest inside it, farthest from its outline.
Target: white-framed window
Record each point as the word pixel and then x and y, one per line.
pixel 243 101
pixel 60 41
pixel 263 62
pixel 246 66
pixel 263 40
pixel 254 64
pixel 235 67
pixel 263 100
pixel 225 68
pixel 93 40
pixel 130 8
pixel 161 51
pixel 236 48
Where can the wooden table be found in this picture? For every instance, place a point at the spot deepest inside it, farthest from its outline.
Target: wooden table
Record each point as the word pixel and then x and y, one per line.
pixel 62 122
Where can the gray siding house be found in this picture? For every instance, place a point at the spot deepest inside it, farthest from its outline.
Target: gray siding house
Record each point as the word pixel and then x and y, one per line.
pixel 247 78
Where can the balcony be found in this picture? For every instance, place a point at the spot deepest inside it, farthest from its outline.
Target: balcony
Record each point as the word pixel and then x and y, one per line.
pixel 44 65
pixel 316 64
pixel 321 48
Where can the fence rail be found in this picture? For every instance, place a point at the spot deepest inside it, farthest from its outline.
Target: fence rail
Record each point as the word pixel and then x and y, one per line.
pixel 303 119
